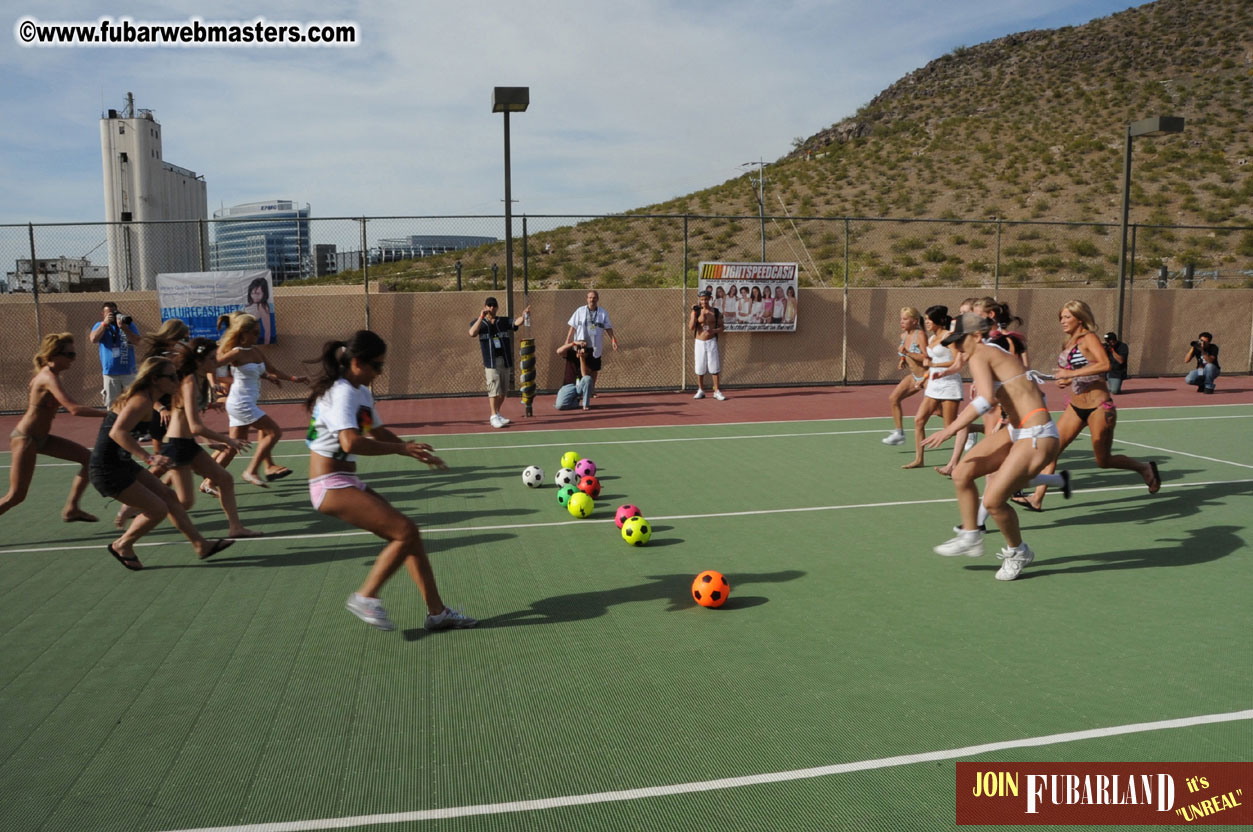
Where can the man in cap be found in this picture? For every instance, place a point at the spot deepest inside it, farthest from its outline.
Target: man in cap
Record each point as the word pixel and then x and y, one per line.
pixel 496 343
pixel 705 322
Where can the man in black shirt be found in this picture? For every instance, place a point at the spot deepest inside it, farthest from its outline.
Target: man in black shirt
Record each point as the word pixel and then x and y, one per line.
pixel 1117 352
pixel 1205 353
pixel 496 343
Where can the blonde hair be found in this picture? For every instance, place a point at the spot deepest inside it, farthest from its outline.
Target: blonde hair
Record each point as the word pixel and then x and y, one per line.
pixel 52 345
pixel 1081 311
pixel 911 312
pixel 239 325
pixel 163 340
pixel 982 304
pixel 144 379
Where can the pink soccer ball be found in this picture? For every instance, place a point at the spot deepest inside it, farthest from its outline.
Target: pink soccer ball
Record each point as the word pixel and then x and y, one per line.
pixel 585 468
pixel 623 513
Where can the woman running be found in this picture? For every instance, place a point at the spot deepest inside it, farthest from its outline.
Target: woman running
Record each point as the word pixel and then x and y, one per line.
pixel 33 436
pixel 911 351
pixel 1083 364
pixel 114 474
pixel 943 392
pixel 344 424
pixel 248 364
pixel 1016 454
pixel 194 364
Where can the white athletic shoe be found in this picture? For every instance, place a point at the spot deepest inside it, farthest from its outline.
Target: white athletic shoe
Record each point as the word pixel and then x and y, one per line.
pixel 450 619
pixel 700 394
pixel 369 610
pixel 1012 561
pixel 495 422
pixel 718 395
pixel 970 443
pixel 502 419
pixel 896 437
pixel 966 543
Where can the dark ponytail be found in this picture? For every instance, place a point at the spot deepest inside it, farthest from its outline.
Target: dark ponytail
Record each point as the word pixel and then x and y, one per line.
pixel 336 358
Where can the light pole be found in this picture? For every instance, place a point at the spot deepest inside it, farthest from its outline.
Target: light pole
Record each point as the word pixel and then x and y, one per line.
pixel 509 100
pixel 761 199
pixel 1155 126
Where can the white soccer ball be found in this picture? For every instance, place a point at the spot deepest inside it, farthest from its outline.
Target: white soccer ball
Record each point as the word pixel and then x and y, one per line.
pixel 566 476
pixel 533 476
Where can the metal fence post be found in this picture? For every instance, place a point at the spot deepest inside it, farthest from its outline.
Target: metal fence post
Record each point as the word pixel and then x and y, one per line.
pixel 34 282
pixel 996 268
pixel 495 272
pixel 458 266
pixel 844 313
pixel 365 273
pixel 526 283
pixel 1131 273
pixel 683 336
pixel 204 245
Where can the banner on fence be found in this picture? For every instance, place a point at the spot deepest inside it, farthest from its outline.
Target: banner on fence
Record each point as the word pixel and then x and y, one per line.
pixel 199 298
pixel 752 297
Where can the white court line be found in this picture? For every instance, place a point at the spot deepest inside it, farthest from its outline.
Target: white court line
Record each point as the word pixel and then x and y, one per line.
pixel 452 449
pixel 516 526
pixel 728 782
pixel 1184 453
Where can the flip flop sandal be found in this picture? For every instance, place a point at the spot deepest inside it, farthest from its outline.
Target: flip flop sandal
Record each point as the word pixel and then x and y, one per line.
pixel 82 517
pixel 218 545
pixel 279 474
pixel 1156 484
pixel 1025 503
pixel 254 480
pixel 132 563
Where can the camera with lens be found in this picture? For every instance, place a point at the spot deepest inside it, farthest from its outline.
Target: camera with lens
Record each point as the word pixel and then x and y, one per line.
pixel 121 320
pixel 1196 345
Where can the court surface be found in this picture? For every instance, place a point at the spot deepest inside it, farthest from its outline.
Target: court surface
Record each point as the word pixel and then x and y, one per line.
pixel 849 672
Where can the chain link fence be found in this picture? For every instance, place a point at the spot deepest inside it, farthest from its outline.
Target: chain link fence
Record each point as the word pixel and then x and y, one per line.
pixel 419 281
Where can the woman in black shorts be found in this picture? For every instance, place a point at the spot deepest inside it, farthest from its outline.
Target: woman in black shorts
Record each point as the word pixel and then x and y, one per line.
pixel 194 364
pixel 115 474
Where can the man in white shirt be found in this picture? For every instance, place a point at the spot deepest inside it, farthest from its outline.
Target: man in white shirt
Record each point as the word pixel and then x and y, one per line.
pixel 590 323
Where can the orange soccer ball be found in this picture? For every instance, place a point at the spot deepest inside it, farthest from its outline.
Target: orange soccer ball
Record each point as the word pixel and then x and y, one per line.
pixel 710 589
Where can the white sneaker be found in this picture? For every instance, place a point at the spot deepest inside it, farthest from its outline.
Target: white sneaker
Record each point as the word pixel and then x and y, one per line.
pixel 970 443
pixel 495 422
pixel 700 394
pixel 896 437
pixel 718 395
pixel 503 420
pixel 450 619
pixel 966 543
pixel 369 610
pixel 1012 561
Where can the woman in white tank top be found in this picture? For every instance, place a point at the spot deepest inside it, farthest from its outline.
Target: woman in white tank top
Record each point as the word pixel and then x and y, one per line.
pixel 942 393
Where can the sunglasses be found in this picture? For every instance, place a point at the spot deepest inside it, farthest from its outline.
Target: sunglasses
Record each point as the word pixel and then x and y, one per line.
pixel 69 354
pixel 170 376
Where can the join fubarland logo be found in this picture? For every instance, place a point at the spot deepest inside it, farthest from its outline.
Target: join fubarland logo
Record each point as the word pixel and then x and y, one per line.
pixel 1104 793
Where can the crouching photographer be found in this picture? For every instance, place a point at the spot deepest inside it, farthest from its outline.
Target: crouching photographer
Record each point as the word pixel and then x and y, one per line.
pixel 577 384
pixel 1205 353
pixel 1117 352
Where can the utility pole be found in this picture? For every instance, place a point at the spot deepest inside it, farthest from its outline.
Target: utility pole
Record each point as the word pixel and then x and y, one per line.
pixel 760 192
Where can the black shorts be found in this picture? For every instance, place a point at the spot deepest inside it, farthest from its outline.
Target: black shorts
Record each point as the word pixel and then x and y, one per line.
pixel 593 364
pixel 181 450
pixel 112 480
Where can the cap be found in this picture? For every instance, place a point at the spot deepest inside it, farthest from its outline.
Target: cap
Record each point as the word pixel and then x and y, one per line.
pixel 1111 336
pixel 490 302
pixel 967 324
pixel 704 293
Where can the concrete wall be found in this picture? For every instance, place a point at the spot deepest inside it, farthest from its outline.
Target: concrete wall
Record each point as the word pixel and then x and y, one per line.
pixel 431 353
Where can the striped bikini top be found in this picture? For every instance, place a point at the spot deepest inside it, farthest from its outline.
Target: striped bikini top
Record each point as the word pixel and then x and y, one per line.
pixel 1074 359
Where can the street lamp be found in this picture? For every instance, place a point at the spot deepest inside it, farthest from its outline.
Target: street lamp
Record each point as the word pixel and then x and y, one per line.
pixel 1155 126
pixel 509 100
pixel 761 198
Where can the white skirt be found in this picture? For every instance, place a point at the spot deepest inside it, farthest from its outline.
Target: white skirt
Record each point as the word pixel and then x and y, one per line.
pixel 242 412
pixel 948 388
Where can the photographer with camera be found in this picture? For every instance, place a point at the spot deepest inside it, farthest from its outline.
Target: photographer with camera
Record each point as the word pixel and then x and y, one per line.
pixel 116 336
pixel 577 384
pixel 496 345
pixel 1117 352
pixel 1205 353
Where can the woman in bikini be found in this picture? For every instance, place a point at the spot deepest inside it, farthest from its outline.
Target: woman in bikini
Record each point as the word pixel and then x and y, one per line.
pixel 942 392
pixel 33 436
pixel 1016 454
pixel 911 352
pixel 194 364
pixel 1083 364
pixel 238 349
pixel 115 474
pixel 344 424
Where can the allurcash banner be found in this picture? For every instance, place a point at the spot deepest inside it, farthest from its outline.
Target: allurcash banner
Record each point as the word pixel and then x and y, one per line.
pixel 199 298
pixel 752 297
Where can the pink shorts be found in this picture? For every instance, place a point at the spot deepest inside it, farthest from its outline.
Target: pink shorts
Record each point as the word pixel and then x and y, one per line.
pixel 318 486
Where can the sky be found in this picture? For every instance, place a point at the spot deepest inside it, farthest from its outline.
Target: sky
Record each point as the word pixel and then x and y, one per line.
pixel 631 103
